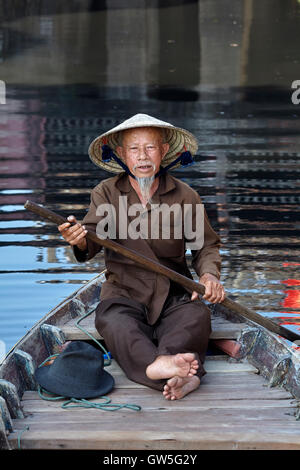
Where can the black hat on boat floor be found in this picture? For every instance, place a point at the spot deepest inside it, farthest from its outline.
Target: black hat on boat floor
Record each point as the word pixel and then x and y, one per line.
pixel 78 372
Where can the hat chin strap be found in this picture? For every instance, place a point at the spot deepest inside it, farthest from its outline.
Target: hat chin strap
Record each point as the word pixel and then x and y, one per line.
pixel 185 158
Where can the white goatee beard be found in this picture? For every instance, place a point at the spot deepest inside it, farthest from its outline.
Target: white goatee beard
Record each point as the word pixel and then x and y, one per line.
pixel 145 185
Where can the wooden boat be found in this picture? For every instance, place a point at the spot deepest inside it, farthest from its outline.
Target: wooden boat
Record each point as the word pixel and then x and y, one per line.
pixel 247 400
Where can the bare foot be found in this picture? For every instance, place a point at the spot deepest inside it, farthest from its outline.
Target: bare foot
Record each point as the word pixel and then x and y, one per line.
pixel 178 387
pixel 164 367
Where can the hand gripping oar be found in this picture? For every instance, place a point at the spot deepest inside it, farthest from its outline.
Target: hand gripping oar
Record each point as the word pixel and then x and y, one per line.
pixel 152 265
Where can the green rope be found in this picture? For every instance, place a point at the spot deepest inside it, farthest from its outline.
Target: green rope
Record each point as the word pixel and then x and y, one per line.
pixel 108 360
pixel 76 403
pixel 41 391
pixel 19 436
pixel 107 406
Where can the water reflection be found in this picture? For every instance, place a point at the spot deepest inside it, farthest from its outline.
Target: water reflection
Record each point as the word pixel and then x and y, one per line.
pixel 221 69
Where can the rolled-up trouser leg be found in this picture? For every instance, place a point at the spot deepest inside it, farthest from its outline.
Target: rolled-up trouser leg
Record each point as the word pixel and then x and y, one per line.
pixel 184 326
pixel 123 324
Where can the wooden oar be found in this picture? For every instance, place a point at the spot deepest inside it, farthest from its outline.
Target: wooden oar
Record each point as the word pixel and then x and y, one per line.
pixel 151 265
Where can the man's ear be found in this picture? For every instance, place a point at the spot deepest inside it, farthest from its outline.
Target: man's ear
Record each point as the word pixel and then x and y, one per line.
pixel 119 151
pixel 165 148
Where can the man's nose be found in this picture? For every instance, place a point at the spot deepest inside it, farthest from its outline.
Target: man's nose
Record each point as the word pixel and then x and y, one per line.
pixel 142 154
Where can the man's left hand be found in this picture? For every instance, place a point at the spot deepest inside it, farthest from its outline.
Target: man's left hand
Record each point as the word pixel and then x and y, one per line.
pixel 214 291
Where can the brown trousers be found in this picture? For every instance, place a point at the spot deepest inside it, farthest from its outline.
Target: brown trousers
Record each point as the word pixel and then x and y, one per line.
pixel 183 326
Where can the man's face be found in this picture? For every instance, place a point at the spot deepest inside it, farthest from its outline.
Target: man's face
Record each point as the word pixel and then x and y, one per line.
pixel 142 150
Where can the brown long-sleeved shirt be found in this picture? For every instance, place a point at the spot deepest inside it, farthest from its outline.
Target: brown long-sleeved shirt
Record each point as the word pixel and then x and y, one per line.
pixel 125 278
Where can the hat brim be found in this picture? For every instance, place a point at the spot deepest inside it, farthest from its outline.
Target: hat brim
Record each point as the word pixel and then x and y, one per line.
pixel 62 388
pixel 179 140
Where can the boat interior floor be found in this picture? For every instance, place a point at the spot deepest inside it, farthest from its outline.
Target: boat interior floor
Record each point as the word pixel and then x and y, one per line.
pixel 233 409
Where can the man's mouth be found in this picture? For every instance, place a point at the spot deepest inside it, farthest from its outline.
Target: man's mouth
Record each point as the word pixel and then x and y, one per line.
pixel 144 168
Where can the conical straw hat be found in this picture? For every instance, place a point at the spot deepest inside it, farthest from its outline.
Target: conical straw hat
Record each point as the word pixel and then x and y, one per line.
pixel 178 139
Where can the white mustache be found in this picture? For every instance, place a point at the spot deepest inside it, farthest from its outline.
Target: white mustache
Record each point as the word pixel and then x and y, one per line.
pixel 143 164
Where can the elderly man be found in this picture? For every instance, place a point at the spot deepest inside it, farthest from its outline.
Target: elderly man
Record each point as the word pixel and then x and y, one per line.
pixel 156 330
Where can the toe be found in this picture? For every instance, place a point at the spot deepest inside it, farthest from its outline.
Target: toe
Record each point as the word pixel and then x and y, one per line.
pixel 192 373
pixel 189 357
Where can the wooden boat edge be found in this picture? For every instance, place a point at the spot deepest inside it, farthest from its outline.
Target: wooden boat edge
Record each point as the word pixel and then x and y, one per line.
pixel 276 358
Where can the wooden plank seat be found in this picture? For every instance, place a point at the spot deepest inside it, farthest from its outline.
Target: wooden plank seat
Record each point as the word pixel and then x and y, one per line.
pixel 221 328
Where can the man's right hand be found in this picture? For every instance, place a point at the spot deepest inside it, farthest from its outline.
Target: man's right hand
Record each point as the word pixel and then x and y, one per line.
pixel 75 233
